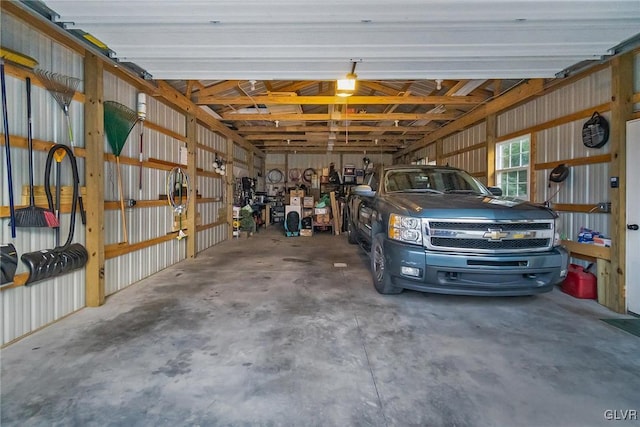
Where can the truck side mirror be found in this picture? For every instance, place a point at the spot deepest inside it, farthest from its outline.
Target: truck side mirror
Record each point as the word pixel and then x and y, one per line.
pixel 364 190
pixel 496 191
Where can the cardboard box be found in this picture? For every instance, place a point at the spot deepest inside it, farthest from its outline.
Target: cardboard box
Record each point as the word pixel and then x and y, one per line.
pixel 307 232
pixel 321 211
pixel 307 202
pixel 296 193
pixel 323 219
pixel 295 201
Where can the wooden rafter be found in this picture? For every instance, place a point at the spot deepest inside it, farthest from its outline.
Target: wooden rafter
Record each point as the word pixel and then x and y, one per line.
pixel 295 117
pixel 353 100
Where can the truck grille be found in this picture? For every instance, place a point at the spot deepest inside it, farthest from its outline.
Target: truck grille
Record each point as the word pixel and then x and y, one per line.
pixel 489 236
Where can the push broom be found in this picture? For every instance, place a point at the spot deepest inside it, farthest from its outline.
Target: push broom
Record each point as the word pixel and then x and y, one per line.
pixel 119 121
pixel 32 215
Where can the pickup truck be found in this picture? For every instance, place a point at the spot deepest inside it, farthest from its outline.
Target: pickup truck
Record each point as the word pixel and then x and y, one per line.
pixel 438 229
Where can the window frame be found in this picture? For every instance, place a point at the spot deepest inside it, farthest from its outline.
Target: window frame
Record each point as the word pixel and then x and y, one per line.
pixel 500 169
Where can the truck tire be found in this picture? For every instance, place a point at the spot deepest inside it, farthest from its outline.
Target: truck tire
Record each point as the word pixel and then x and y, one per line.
pixel 381 277
pixel 351 232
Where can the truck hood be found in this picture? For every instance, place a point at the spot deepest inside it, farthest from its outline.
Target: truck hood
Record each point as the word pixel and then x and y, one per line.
pixel 471 206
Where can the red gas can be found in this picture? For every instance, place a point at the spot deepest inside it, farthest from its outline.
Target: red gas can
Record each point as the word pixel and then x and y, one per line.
pixel 580 283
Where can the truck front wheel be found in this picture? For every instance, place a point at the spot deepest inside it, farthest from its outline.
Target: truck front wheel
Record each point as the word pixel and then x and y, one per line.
pixel 381 277
pixel 351 232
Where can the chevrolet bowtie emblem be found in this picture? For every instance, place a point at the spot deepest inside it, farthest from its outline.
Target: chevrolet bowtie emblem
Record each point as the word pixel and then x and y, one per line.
pixel 495 235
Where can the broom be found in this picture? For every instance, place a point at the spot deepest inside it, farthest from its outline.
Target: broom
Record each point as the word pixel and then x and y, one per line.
pixel 119 121
pixel 62 88
pixel 33 216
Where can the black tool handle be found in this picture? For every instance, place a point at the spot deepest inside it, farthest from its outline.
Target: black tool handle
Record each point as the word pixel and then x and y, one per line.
pixel 7 148
pixel 32 198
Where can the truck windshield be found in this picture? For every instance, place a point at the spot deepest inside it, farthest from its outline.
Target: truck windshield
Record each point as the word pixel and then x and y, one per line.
pixel 440 180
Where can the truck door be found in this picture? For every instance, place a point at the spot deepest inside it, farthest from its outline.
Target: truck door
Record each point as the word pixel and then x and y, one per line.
pixel 366 209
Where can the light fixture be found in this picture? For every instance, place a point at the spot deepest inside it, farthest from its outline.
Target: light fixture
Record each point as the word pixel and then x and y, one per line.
pixel 253 84
pixel 439 84
pixel 277 123
pixel 347 86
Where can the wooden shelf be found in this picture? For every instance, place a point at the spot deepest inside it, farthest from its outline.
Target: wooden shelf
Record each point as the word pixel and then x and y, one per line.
pixel 581 250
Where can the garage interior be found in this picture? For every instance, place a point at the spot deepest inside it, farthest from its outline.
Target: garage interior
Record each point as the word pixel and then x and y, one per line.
pixel 179 314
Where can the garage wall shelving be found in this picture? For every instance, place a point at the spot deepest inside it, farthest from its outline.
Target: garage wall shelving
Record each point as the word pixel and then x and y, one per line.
pixel 152 245
pixel 26 308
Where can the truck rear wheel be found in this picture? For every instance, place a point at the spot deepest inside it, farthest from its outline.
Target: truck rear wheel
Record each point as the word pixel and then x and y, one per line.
pixel 381 277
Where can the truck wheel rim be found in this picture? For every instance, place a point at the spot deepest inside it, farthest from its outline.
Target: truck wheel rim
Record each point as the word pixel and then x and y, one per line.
pixel 378 263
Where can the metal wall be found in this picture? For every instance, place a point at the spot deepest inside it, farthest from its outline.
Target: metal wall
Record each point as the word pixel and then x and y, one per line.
pixel 27 308
pixel 210 187
pixel 586 184
pixel 304 161
pixel 142 223
pixel 474 161
pixel 428 152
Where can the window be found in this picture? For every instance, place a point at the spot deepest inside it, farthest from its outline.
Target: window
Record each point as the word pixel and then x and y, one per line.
pixel 512 167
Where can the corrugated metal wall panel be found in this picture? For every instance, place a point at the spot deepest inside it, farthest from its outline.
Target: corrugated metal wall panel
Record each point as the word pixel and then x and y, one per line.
pixel 25 309
pixel 468 137
pixel 593 90
pixel 210 187
pixel 428 152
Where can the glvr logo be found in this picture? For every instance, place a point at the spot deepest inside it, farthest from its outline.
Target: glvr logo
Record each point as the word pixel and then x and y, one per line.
pixel 495 234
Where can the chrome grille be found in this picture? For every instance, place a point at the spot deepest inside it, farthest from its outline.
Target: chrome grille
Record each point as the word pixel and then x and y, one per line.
pixel 488 236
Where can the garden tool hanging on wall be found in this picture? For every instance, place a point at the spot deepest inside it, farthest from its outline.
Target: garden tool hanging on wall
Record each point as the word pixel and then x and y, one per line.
pixel 62 88
pixel 178 194
pixel 7 149
pixel 32 215
pixel 50 263
pixel 142 116
pixel 119 121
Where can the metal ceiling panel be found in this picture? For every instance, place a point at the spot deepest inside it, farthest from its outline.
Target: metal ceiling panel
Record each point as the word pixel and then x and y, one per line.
pixel 302 40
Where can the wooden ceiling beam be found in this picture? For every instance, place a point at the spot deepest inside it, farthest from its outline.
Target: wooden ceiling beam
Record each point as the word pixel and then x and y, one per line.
pixel 342 149
pixel 296 86
pixel 352 100
pixel 299 145
pixel 324 137
pixel 389 91
pixel 296 117
pixel 515 96
pixel 355 128
pixel 218 88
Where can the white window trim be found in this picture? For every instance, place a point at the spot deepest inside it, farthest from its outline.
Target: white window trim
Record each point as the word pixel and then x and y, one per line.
pixel 526 168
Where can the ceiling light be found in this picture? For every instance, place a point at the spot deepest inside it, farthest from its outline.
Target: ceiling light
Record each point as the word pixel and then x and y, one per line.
pixel 347 86
pixel 277 123
pixel 253 84
pixel 439 84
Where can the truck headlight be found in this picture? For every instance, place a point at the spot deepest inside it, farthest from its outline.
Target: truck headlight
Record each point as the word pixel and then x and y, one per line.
pixel 557 239
pixel 405 229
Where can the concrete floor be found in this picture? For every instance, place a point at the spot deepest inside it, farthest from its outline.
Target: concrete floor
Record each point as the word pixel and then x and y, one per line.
pixel 266 331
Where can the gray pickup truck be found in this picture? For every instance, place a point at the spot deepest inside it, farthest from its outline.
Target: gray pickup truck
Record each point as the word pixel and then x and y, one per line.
pixel 438 229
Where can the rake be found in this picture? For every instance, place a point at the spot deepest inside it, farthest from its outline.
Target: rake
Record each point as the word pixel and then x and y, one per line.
pixel 62 88
pixel 119 121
